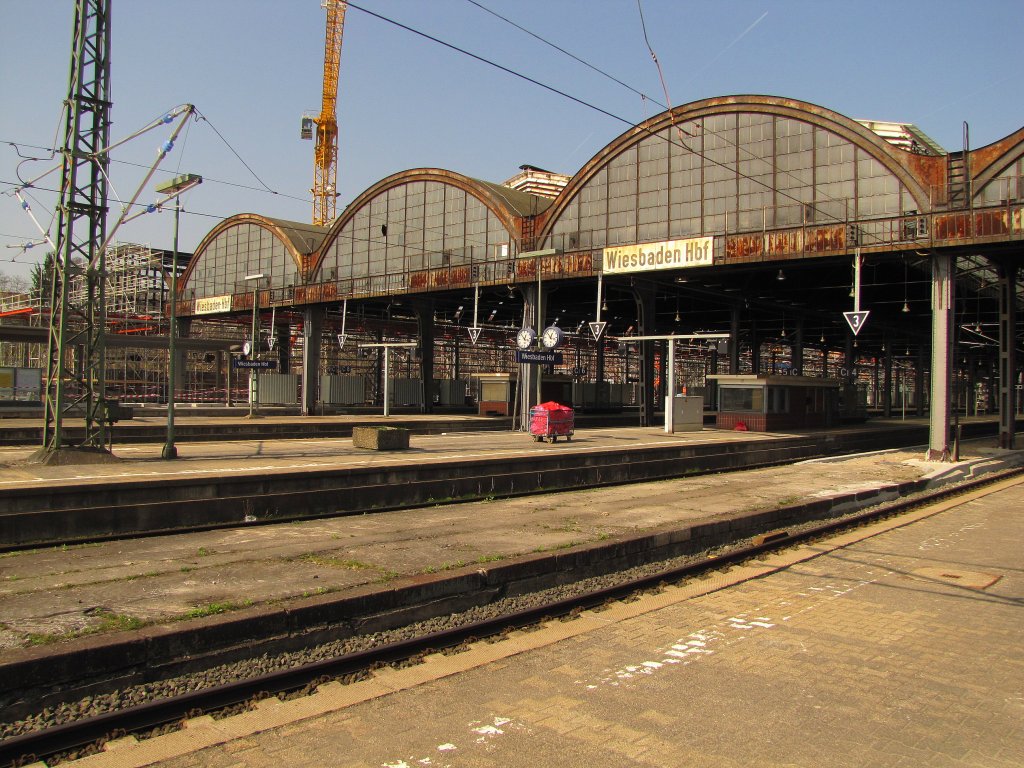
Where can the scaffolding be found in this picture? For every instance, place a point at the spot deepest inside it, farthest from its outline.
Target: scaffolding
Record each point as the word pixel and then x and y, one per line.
pixel 136 283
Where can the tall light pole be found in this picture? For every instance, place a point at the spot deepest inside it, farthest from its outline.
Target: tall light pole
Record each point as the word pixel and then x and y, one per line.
pixel 174 188
pixel 254 345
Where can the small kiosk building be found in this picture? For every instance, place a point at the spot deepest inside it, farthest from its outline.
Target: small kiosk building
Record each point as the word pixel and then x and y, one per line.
pixel 769 403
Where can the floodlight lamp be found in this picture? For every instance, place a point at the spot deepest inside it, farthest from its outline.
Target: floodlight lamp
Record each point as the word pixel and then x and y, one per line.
pixel 179 184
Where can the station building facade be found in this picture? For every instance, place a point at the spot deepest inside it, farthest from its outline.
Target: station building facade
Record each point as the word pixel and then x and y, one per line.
pixel 787 200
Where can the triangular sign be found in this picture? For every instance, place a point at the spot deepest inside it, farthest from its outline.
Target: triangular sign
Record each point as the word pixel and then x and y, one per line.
pixel 341 341
pixel 597 328
pixel 474 333
pixel 856 320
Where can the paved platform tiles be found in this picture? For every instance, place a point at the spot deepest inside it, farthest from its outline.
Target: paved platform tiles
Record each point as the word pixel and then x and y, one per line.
pixel 55 594
pixel 888 651
pixel 256 457
pixel 259 456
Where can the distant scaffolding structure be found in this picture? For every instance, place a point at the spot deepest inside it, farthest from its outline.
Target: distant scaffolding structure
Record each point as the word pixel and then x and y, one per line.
pixel 135 288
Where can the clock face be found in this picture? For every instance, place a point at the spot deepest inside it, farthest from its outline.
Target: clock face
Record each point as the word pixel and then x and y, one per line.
pixel 551 337
pixel 246 348
pixel 525 338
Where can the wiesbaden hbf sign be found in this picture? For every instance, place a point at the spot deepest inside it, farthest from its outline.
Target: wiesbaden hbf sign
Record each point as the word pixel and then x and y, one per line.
pixel 669 254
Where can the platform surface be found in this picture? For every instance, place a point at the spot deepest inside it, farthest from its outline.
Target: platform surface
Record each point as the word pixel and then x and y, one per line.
pixel 887 651
pixel 51 595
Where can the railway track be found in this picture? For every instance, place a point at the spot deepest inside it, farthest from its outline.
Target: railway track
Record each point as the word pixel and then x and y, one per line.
pixel 70 740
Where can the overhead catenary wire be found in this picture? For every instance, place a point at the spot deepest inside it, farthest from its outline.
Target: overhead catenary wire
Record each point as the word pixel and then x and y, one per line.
pixel 204 118
pixel 680 144
pixel 206 179
pixel 645 97
pixel 350 236
pixel 572 56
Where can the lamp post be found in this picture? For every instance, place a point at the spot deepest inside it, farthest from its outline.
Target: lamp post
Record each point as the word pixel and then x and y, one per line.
pixel 174 188
pixel 254 379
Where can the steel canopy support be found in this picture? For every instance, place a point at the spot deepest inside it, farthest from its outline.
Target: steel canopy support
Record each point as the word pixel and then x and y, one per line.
pixel 735 318
pixel 424 309
pixel 1007 353
pixel 312 333
pixel 943 285
pixel 644 297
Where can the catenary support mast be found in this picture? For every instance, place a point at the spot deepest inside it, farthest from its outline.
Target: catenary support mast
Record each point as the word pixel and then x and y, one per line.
pixel 75 349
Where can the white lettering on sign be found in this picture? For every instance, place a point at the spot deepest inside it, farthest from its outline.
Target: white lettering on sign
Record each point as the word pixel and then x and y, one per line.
pixel 670 254
pixel 212 304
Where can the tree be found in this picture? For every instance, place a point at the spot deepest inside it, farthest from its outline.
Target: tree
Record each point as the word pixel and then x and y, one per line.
pixel 14 284
pixel 42 279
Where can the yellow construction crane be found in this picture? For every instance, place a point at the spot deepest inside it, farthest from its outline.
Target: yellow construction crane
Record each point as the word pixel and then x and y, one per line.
pixel 325 153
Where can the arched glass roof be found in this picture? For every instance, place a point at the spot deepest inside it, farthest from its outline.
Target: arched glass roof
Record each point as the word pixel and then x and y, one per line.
pixel 421 229
pixel 250 244
pixel 733 165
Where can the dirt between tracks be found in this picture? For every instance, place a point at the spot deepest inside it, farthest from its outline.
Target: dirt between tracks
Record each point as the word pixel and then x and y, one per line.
pixel 50 597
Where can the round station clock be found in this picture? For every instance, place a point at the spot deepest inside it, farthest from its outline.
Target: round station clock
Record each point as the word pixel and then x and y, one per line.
pixel 551 337
pixel 525 338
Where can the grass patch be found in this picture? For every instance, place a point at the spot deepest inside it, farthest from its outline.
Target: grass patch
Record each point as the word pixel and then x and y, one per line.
pixel 445 567
pixel 117 622
pixel 336 562
pixel 489 558
pixel 212 609
pixel 556 547
pixel 108 622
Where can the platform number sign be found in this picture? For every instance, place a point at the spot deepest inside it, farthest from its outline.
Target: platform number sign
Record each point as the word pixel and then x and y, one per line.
pixel 856 320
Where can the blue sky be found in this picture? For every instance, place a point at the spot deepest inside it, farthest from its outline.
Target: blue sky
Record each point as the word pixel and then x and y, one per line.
pixel 253 67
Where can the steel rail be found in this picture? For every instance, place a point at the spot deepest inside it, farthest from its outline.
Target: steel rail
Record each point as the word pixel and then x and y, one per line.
pixel 68 737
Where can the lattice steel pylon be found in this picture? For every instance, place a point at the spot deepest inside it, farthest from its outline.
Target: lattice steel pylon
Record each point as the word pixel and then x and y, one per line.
pixel 325 153
pixel 78 326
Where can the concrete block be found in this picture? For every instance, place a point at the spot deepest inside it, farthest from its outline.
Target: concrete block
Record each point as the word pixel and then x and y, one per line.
pixel 380 438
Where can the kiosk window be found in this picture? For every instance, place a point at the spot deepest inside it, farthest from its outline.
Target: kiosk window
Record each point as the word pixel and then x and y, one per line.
pixel 741 399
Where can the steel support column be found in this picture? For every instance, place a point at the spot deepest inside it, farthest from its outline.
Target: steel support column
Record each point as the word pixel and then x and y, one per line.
pixel 734 340
pixel 887 382
pixel 1007 353
pixel 943 285
pixel 424 309
pixel 183 328
pixel 644 297
pixel 797 350
pixel 755 349
pixel 527 371
pixel 312 333
pixel 283 340
pixel 919 382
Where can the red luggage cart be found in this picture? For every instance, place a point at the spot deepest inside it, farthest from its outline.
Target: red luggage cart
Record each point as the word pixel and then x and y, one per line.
pixel 549 420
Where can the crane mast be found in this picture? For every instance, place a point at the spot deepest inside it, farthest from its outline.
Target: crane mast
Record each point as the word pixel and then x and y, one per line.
pixel 325 170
